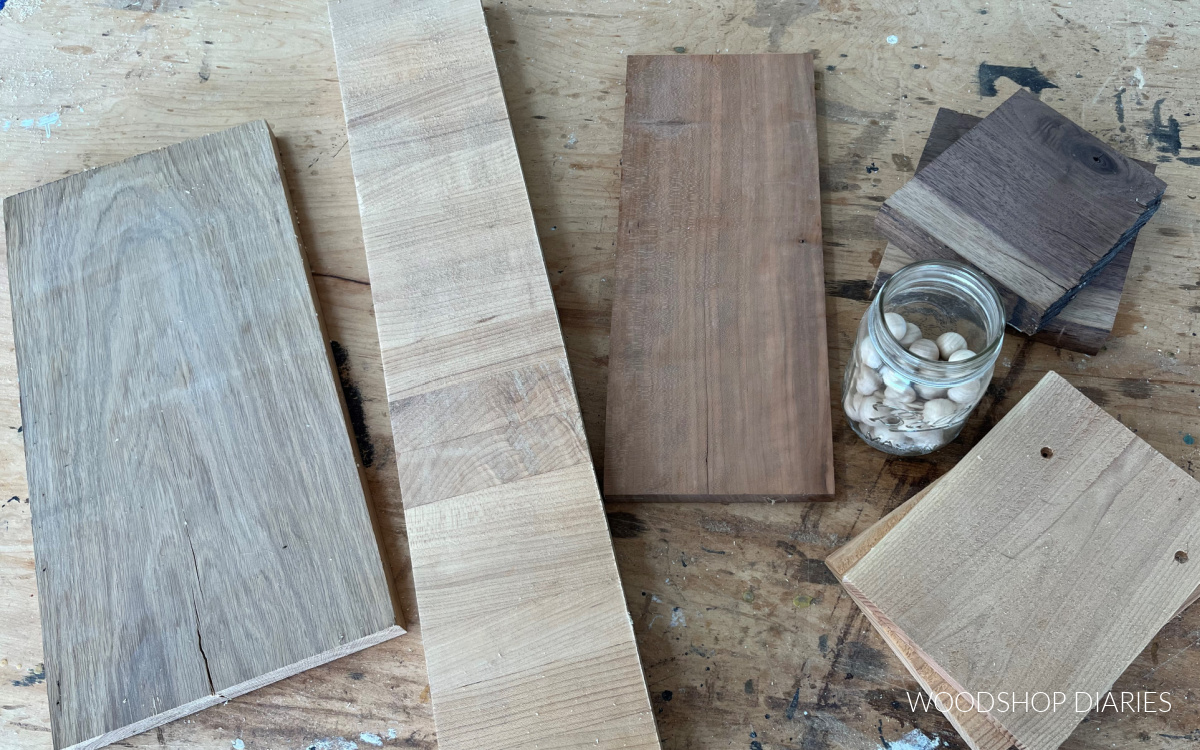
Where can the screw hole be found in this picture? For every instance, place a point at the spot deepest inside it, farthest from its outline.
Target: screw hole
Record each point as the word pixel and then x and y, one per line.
pixel 1047 453
pixel 1181 557
pixel 1095 158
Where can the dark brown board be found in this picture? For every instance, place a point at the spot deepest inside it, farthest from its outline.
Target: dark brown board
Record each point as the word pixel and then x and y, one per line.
pixel 718 374
pixel 1087 320
pixel 1032 200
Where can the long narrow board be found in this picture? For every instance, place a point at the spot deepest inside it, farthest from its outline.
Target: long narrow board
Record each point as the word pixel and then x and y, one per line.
pixel 998 578
pixel 1087 320
pixel 200 524
pixel 1034 201
pixel 527 637
pixel 718 381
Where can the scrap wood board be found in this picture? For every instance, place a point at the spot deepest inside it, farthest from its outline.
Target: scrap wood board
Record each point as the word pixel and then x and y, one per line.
pixel 976 726
pixel 526 632
pixel 718 381
pixel 1030 198
pixel 996 578
pixel 1087 320
pixel 200 524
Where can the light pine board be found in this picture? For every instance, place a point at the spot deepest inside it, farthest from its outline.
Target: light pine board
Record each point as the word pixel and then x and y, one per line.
pixel 976 727
pixel 979 729
pixel 1033 200
pixel 527 638
pixel 1001 578
pixel 1087 320
pixel 718 381
pixel 200 525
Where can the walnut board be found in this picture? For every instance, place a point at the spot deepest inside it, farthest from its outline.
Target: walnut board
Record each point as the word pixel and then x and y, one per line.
pixel 200 524
pixel 526 633
pixel 1087 320
pixel 718 385
pixel 1030 198
pixel 998 578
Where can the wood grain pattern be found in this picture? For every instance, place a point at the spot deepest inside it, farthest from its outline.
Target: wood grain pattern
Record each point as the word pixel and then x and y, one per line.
pixel 527 637
pixel 200 525
pixel 563 69
pixel 1031 199
pixel 718 382
pixel 977 727
pixel 1068 510
pixel 1086 321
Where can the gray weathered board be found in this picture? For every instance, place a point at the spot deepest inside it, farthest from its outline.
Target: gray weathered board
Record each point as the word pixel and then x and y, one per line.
pixel 200 524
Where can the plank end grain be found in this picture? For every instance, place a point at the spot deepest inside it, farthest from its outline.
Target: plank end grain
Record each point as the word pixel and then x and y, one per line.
pixel 1029 198
pixel 718 382
pixel 527 636
pixel 997 579
pixel 200 523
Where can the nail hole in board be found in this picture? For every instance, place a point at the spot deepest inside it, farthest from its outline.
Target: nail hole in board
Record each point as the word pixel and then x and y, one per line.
pixel 1047 453
pixel 1181 557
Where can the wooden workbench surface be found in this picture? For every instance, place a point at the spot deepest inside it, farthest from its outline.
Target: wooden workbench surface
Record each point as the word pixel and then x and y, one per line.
pixel 747 640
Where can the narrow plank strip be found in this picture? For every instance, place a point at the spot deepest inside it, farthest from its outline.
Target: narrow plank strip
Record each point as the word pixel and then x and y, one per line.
pixel 527 637
pixel 1032 200
pixel 1087 320
pixel 200 524
pixel 1068 510
pixel 718 385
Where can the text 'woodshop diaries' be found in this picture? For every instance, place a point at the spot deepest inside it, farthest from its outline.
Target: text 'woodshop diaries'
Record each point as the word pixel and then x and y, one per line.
pixel 1040 702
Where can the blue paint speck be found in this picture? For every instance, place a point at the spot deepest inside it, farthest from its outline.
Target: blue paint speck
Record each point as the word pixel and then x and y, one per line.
pixel 238 744
pixel 1188 440
pixel 2 2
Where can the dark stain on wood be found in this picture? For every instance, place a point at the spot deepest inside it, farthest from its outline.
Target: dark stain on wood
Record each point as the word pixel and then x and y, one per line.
pixel 35 677
pixel 623 525
pixel 814 571
pixel 354 404
pixel 1165 135
pixel 1031 78
pixel 1097 395
pixel 858 289
pixel 1135 388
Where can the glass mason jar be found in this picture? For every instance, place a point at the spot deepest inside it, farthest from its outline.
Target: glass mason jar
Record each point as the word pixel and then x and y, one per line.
pixel 923 358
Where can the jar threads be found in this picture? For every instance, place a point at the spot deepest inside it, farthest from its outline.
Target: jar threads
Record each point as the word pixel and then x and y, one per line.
pixel 910 392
